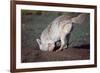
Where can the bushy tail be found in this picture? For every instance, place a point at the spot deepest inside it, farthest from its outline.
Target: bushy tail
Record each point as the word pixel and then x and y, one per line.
pixel 79 19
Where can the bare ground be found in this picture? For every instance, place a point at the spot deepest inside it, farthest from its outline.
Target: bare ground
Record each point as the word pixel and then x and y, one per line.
pixel 66 54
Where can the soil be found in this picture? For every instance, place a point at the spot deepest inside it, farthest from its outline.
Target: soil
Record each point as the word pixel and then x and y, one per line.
pixel 64 55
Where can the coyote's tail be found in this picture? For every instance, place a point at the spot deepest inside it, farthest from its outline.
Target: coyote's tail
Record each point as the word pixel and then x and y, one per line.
pixel 79 19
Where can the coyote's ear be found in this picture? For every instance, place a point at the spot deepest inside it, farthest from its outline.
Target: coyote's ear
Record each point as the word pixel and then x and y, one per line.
pixel 38 41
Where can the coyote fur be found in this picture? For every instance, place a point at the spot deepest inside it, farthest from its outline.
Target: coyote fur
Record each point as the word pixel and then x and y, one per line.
pixel 58 29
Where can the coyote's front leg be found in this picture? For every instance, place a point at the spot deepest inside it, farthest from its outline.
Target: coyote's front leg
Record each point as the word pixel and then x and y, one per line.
pixel 62 43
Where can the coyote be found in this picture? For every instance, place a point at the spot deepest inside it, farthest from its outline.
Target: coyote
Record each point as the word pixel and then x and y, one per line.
pixel 58 30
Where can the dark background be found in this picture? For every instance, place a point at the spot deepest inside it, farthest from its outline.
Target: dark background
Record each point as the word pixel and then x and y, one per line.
pixel 34 22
